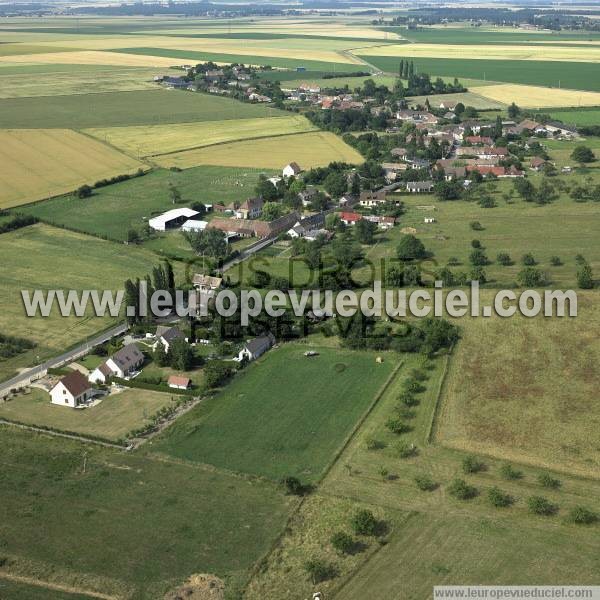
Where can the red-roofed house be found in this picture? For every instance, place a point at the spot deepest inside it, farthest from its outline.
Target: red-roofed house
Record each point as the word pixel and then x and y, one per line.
pixel 179 382
pixel 350 218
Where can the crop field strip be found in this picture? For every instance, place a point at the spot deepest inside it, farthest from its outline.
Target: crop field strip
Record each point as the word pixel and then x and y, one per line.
pixel 155 140
pixel 39 163
pixel 570 75
pixel 529 96
pixel 117 109
pixel 313 149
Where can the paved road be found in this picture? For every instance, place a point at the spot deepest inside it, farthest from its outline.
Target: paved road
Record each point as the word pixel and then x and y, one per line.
pixel 26 376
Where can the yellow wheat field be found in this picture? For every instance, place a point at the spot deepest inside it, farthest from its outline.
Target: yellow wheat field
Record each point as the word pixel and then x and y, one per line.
pixel 504 52
pixel 309 150
pixel 531 96
pixel 162 139
pixel 38 163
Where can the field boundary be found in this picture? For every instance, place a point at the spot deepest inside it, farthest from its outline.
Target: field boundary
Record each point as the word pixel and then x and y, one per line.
pixel 55 586
pixel 431 430
pixel 361 420
pixel 64 434
pixel 247 139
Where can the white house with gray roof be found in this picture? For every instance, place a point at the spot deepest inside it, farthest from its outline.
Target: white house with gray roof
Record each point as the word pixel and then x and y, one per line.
pixel 256 347
pixel 121 364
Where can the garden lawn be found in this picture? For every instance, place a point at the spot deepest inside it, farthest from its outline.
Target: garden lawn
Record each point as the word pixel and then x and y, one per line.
pixel 286 415
pixel 111 419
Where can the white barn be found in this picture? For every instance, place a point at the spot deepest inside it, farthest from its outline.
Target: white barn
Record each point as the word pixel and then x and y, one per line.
pixel 172 219
pixel 193 225
pixel 256 347
pixel 72 390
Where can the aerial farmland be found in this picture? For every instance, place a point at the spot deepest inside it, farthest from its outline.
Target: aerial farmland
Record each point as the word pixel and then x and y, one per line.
pixel 311 154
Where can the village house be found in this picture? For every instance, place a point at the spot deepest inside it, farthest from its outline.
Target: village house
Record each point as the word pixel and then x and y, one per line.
pixel 179 382
pixel 448 105
pixel 479 140
pixel 256 347
pixel 166 336
pixel 537 163
pixel 372 198
pixel 381 221
pixel 348 200
pixel 121 364
pixel 400 153
pixel 250 209
pixel 291 170
pixel 72 390
pixel 350 218
pixel 308 195
pixel 419 187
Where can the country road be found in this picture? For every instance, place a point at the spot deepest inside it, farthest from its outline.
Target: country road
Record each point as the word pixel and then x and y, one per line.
pixel 28 375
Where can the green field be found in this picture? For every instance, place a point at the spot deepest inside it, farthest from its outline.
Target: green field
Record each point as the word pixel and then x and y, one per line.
pixel 12 589
pixel 43 257
pixel 574 75
pixel 578 116
pixel 274 61
pixel 113 109
pixel 63 80
pixel 161 531
pixel 479 35
pixel 112 419
pixel 431 537
pixel 137 200
pixel 300 410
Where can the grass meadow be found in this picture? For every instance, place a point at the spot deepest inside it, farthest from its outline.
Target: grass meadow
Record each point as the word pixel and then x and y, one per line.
pixel 531 397
pixel 15 589
pixel 572 75
pixel 44 257
pixel 138 199
pixel 112 419
pixel 432 538
pixel 315 403
pixel 148 532
pixel 150 140
pixel 563 228
pixel 313 149
pixel 117 109
pixel 38 163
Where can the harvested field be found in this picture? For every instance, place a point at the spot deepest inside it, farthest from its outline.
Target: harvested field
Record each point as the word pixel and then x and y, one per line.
pixel 39 163
pixel 92 57
pixel 529 96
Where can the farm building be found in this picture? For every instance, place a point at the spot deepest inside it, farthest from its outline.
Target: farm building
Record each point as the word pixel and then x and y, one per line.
pixel 172 219
pixel 121 364
pixel 292 170
pixel 193 225
pixel 206 283
pixel 72 390
pixel 381 221
pixel 256 347
pixel 179 382
pixel 429 220
pixel 250 228
pixel 419 187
